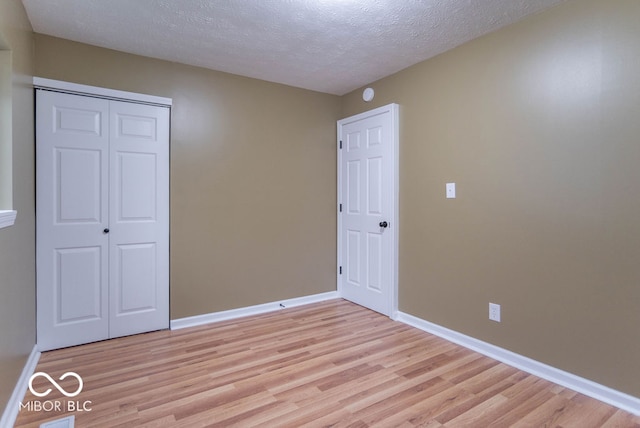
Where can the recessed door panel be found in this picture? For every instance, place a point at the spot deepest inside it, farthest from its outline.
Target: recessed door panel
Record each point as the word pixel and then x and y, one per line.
pixel 374 136
pixel 78 284
pixel 143 127
pixel 77 120
pixel 136 279
pixel 78 177
pixel 353 187
pixel 353 141
pixel 374 186
pixel 137 188
pixel 374 262
pixel 353 257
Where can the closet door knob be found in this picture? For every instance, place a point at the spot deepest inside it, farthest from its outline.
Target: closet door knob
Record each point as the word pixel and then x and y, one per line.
pixel 384 224
pixel 106 230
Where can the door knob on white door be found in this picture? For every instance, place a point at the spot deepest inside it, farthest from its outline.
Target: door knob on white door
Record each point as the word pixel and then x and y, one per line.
pixel 384 224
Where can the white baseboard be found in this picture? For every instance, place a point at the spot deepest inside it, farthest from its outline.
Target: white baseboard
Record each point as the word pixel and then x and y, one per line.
pixel 250 310
pixel 584 386
pixel 13 406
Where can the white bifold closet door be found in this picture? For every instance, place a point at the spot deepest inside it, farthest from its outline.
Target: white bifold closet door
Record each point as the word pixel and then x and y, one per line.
pixel 102 218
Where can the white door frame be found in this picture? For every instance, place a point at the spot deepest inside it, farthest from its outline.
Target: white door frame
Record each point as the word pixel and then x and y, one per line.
pixel 393 216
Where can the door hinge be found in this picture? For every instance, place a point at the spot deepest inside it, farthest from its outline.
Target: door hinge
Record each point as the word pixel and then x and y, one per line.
pixel 340 270
pixel 340 143
pixel 340 207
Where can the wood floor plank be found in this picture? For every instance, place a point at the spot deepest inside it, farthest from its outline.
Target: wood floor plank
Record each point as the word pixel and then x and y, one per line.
pixel 380 413
pixel 522 404
pixel 622 419
pixel 476 400
pixel 425 412
pixel 327 364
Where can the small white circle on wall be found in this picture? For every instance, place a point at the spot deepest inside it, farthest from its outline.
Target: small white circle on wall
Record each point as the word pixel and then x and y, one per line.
pixel 368 94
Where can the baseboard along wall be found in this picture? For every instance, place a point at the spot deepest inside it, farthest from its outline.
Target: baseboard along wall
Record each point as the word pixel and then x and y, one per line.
pixel 251 310
pixel 13 405
pixel 579 384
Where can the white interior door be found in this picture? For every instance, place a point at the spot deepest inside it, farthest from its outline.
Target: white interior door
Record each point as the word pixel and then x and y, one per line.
pixel 102 191
pixel 367 219
pixel 139 218
pixel 72 159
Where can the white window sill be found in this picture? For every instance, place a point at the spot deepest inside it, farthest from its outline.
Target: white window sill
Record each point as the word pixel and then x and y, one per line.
pixel 7 218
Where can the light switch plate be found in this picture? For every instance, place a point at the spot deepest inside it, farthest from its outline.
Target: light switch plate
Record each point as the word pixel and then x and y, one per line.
pixel 451 190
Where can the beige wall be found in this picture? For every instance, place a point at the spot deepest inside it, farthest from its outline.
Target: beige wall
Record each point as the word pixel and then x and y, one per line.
pixel 252 176
pixel 538 124
pixel 17 251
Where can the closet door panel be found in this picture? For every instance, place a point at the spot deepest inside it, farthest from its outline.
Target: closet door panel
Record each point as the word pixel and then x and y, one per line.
pixel 102 208
pixel 72 161
pixel 139 250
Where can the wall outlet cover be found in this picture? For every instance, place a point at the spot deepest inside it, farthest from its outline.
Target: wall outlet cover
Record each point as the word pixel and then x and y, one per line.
pixel 494 312
pixel 451 190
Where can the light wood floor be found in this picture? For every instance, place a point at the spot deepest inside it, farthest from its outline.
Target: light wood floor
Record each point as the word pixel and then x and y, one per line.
pixel 328 364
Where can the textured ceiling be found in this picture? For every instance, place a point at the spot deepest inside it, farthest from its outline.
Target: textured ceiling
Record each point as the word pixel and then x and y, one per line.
pixel 332 46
